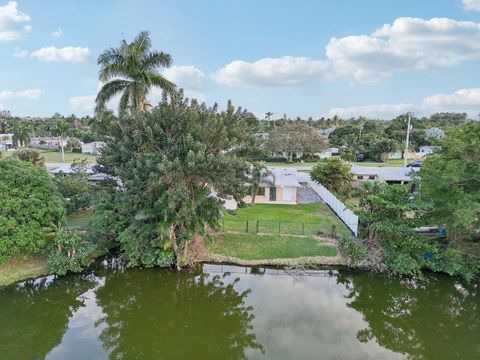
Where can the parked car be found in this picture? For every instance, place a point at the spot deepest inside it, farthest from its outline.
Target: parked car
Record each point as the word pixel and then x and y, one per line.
pixel 416 163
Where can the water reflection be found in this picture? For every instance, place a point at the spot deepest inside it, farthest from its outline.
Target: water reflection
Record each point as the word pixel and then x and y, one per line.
pixel 436 318
pixel 34 315
pixel 154 314
pixel 230 312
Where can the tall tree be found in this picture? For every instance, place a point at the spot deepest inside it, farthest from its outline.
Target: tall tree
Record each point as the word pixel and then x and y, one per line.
pixel 295 137
pixel 179 154
pixel 21 135
pixel 132 70
pixel 61 131
pixel 450 181
pixel 334 174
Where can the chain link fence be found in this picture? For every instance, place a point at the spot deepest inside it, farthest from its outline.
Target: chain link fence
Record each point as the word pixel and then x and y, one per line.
pixel 281 227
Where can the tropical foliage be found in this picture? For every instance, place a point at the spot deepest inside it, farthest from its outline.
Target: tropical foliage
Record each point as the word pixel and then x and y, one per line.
pixel 177 157
pixel 31 208
pixel 132 71
pixel 334 175
pixel 450 182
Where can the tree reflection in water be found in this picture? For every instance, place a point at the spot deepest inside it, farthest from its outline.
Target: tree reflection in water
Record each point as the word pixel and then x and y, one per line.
pixel 436 318
pixel 170 315
pixel 34 315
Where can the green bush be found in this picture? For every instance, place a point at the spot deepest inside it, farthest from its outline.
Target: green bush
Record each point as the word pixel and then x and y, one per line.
pixel 355 251
pixel 31 208
pixel 69 252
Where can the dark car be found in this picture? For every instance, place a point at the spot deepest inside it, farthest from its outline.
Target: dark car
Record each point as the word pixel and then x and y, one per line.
pixel 416 163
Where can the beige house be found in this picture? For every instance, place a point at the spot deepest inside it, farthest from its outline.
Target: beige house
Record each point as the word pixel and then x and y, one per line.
pixel 385 174
pixel 279 188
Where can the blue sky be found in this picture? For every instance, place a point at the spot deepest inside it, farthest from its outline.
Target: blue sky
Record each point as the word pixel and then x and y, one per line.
pixel 302 58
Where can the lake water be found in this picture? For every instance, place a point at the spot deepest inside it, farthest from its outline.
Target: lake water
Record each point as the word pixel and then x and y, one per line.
pixel 229 312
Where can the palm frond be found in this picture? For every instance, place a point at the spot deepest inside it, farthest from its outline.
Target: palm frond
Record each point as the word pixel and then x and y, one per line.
pixel 157 80
pixel 108 91
pixel 155 59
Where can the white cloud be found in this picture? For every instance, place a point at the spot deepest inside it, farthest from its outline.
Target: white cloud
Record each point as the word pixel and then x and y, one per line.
pixel 86 103
pixel 69 54
pixel 20 53
pixel 287 70
pixel 12 22
pixel 31 94
pixel 57 33
pixel 381 111
pixel 465 100
pixel 405 45
pixel 188 78
pixel 471 5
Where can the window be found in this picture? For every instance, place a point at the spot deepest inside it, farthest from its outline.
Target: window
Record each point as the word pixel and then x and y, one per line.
pixel 260 191
pixel 360 177
pixel 371 177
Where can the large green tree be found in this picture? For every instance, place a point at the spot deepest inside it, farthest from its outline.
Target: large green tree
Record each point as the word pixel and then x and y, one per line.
pixel 132 70
pixel 334 174
pixel 173 161
pixel 30 208
pixel 295 137
pixel 450 181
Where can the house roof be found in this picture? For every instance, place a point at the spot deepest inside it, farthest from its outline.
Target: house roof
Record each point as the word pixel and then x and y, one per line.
pixel 283 176
pixel 386 173
pixel 67 169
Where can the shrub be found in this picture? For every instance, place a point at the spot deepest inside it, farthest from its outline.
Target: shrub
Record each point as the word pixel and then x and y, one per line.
pixel 31 155
pixel 31 208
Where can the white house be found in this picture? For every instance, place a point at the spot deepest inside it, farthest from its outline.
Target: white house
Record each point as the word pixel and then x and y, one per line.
pixel 426 150
pixel 279 188
pixel 385 174
pixel 6 142
pixel 93 147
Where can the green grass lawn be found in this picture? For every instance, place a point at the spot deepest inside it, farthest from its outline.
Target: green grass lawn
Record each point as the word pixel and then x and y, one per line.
pixel 390 162
pixel 259 247
pixel 315 218
pixel 16 270
pixel 79 220
pixel 287 164
pixel 56 156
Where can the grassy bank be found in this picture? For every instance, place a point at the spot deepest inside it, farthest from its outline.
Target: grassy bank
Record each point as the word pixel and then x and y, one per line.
pixel 316 217
pixel 16 270
pixel 256 247
pixel 56 156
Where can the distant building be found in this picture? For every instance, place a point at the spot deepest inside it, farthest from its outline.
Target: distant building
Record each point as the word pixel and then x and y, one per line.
pixel 93 147
pixel 386 174
pixel 6 142
pixel 426 150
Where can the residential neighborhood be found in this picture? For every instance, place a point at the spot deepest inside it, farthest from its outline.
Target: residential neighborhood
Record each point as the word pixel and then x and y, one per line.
pixel 239 180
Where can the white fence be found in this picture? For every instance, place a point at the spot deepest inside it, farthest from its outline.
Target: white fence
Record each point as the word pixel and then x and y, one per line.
pixel 342 211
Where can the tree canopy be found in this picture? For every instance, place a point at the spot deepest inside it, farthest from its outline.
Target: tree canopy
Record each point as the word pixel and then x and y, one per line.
pixel 132 70
pixel 30 208
pixel 450 182
pixel 334 174
pixel 176 165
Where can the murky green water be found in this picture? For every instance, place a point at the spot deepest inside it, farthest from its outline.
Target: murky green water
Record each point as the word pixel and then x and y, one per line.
pixel 235 312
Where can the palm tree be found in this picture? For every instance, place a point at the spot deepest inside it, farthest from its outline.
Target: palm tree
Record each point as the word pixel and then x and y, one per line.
pixel 268 115
pixel 61 130
pixel 259 173
pixel 132 70
pixel 21 136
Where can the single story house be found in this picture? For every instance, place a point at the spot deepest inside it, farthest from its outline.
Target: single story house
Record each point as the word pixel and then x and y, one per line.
pixel 67 169
pixel 385 174
pixel 278 188
pixel 93 147
pixel 426 150
pixel 6 142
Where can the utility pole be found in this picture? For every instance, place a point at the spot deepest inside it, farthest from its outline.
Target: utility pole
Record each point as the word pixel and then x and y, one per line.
pixel 405 154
